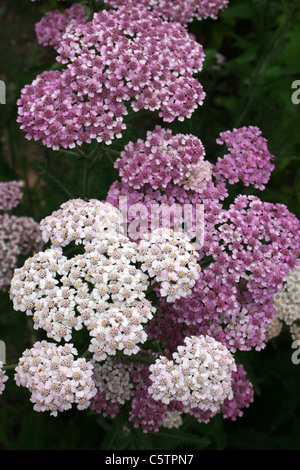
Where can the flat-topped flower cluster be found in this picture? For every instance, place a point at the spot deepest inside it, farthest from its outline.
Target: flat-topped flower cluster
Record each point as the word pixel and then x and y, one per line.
pixel 121 60
pixel 181 11
pixel 104 287
pixel 19 235
pixel 55 379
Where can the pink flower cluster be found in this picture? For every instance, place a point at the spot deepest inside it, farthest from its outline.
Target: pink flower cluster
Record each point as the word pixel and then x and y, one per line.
pixel 163 158
pixel 122 59
pixel 251 250
pixel 248 160
pixel 19 235
pixel 3 378
pixel 10 195
pixel 168 181
pixel 55 379
pixel 53 24
pixel 247 251
pixel 182 11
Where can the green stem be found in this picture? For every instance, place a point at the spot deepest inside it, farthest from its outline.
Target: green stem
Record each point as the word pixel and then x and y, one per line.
pixel 56 181
pixel 86 179
pixel 152 287
pixel 9 366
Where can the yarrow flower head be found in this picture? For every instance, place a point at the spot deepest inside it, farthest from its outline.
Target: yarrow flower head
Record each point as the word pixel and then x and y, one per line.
pixel 10 195
pixel 170 258
pixel 167 182
pixel 102 287
pixel 53 24
pixel 119 381
pixel 79 221
pixel 198 375
pixel 3 378
pixel 287 303
pixel 55 379
pixel 163 158
pixel 19 235
pixel 243 396
pixel 181 11
pixel 249 159
pixel 122 59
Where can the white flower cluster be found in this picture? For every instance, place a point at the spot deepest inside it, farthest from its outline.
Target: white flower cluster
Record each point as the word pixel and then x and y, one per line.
pixel 79 221
pixel 113 379
pixel 170 258
pixel 287 302
pixel 41 289
pixel 172 419
pixel 55 379
pixel 3 378
pixel 103 288
pixel 199 376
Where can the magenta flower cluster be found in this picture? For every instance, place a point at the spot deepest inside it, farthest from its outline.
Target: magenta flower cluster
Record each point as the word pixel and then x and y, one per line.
pixel 181 11
pixel 50 29
pixel 247 252
pixel 122 59
pixel 251 252
pixel 163 158
pixel 249 159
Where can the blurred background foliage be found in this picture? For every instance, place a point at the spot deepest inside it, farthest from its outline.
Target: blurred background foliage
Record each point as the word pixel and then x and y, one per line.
pixel 252 58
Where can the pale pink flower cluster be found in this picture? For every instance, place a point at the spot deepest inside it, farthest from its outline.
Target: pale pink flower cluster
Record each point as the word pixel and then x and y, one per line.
pixel 287 303
pixel 172 419
pixel 19 235
pixel 3 378
pixel 121 381
pixel 10 195
pixel 171 259
pixel 113 380
pixel 198 375
pixel 55 379
pixel 80 221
